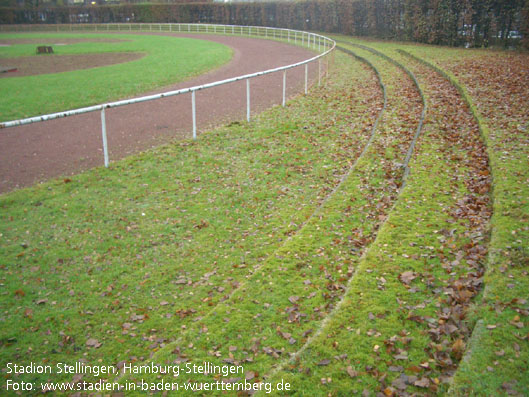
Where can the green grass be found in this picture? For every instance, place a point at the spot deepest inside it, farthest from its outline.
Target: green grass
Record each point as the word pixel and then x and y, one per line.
pixel 167 60
pixel 285 301
pixel 158 234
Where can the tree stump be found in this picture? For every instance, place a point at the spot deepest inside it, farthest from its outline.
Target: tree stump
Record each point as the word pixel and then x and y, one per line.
pixel 43 49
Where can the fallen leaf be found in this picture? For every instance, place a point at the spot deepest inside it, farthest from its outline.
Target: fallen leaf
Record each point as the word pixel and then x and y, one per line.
pixel 351 372
pixel 93 343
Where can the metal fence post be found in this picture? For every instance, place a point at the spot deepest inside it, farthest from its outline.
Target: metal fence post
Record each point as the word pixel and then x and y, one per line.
pixel 284 87
pixel 104 136
pixel 248 100
pixel 194 114
pixel 319 72
pixel 306 78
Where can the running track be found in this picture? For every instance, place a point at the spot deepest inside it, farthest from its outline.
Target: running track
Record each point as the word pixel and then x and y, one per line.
pixel 37 152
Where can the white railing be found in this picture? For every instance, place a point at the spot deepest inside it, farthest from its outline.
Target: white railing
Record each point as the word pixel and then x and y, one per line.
pixel 323 45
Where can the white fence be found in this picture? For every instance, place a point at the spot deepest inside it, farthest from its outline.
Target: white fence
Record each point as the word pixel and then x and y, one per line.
pixel 321 44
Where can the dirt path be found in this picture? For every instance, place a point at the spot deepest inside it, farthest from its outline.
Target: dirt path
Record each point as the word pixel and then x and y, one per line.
pixel 37 152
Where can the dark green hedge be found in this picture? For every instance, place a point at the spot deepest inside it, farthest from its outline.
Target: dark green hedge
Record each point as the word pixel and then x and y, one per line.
pixel 449 22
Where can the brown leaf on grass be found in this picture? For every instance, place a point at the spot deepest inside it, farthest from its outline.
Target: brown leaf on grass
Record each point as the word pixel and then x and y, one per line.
pixel 138 317
pixel 403 355
pixel 423 382
pixel 203 224
pixel 458 348
pixel 351 372
pixel 307 332
pixel 93 343
pixel 324 362
pixel 400 383
pixel 407 277
pixel 293 299
pixel 389 391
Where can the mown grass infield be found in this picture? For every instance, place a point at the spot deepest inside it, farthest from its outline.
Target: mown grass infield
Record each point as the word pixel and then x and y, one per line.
pixel 167 60
pixel 296 246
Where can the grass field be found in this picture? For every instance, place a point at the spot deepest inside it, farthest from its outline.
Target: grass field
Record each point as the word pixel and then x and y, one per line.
pixel 296 246
pixel 167 60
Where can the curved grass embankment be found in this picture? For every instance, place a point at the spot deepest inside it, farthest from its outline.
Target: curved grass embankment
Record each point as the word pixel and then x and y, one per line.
pixel 401 327
pixel 111 265
pixel 284 303
pixel 495 86
pixel 167 60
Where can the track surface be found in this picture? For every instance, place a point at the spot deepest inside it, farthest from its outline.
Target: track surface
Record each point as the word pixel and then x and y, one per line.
pixel 37 152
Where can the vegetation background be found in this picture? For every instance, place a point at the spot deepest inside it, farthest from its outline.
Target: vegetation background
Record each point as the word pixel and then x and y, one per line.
pixel 475 23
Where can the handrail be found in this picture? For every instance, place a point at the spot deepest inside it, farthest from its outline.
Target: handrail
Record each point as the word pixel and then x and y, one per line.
pixel 327 43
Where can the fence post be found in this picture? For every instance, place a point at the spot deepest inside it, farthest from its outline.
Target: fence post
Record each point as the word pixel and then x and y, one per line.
pixel 104 136
pixel 319 72
pixel 284 86
pixel 248 100
pixel 306 78
pixel 194 114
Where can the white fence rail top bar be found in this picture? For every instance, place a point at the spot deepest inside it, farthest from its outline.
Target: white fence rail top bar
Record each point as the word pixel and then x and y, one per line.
pixel 124 102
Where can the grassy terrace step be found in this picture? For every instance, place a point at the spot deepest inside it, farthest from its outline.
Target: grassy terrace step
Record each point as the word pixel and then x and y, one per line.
pixel 496 86
pixel 284 302
pixel 401 327
pixel 132 255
